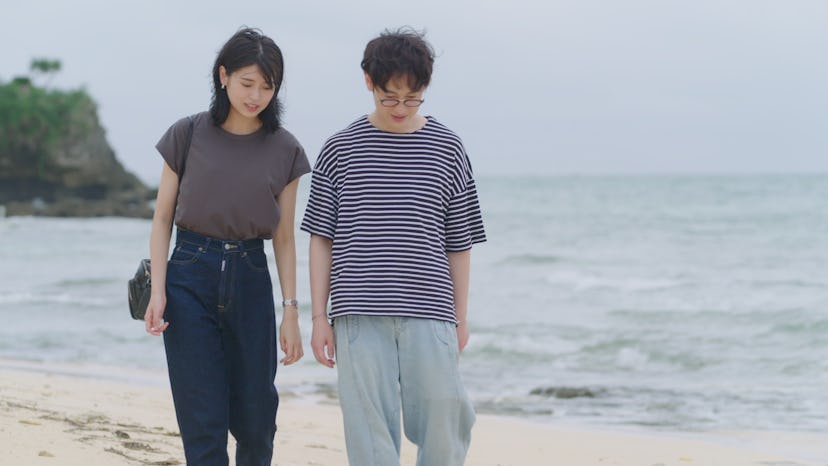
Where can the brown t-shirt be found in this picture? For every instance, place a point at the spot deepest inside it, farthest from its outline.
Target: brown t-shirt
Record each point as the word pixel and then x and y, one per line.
pixel 231 182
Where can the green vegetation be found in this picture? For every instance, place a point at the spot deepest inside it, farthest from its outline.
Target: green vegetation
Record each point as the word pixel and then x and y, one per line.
pixel 34 119
pixel 45 67
pixel 54 156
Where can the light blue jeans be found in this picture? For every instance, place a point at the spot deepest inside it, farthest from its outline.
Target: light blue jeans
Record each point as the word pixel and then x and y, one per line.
pixel 385 363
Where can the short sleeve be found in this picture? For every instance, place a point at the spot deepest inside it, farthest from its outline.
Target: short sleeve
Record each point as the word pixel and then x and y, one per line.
pixel 301 165
pixel 173 144
pixel 321 213
pixel 464 221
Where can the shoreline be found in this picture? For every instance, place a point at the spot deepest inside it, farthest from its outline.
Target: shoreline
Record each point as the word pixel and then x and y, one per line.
pixel 72 415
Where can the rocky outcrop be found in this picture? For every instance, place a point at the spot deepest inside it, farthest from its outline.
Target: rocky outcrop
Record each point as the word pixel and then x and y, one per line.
pixel 55 159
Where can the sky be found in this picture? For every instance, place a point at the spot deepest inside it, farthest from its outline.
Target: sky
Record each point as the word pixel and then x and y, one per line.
pixel 545 87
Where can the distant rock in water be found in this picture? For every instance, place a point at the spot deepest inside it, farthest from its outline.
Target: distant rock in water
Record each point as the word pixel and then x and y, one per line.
pixel 565 392
pixel 55 159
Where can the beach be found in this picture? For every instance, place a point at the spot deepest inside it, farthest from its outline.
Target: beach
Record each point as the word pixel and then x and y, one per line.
pixel 614 321
pixel 55 415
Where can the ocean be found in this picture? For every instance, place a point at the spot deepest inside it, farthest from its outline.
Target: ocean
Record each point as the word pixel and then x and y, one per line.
pixel 681 303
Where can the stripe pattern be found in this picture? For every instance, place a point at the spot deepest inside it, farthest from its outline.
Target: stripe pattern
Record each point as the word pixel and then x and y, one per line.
pixel 394 205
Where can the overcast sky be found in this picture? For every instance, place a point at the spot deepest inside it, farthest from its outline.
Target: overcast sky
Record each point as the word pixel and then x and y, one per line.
pixel 532 87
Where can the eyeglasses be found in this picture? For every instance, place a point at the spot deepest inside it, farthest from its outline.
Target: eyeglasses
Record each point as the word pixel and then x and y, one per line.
pixel 406 102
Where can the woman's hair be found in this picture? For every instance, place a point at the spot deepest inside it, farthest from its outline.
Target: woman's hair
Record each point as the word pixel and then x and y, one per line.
pixel 403 53
pixel 249 47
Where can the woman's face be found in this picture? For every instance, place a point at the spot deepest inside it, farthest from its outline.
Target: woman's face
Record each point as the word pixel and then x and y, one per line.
pixel 248 91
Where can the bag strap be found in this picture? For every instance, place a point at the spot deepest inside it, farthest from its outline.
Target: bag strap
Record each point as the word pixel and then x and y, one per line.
pixel 191 122
pixel 187 148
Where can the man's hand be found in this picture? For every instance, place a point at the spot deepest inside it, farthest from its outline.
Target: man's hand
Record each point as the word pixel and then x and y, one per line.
pixel 322 342
pixel 462 335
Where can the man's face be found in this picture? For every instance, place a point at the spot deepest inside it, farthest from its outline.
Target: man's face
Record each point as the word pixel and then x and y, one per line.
pixel 396 105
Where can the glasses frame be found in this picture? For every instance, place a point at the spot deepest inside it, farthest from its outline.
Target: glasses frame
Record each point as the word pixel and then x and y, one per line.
pixel 411 103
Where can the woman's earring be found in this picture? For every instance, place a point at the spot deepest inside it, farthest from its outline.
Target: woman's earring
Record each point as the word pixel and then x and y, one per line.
pixel 223 86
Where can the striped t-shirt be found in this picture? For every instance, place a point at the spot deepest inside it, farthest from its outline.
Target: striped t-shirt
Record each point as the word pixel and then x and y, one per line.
pixel 394 204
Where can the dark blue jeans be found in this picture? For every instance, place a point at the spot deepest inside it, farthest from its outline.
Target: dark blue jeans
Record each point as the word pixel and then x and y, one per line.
pixel 221 349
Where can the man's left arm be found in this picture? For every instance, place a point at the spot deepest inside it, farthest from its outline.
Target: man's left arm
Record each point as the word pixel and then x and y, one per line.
pixel 459 267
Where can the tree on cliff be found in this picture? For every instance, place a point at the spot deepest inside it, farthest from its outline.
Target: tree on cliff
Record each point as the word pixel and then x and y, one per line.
pixel 33 120
pixel 54 150
pixel 45 67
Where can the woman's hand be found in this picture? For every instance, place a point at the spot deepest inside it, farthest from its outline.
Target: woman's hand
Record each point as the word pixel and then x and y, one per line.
pixel 289 337
pixel 154 317
pixel 162 221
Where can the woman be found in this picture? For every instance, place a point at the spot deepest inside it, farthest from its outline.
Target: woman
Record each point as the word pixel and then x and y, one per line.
pixel 229 181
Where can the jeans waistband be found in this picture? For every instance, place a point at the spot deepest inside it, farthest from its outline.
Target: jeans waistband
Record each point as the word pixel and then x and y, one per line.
pixel 216 243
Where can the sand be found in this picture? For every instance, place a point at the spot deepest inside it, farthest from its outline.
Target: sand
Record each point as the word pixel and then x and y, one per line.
pixel 56 416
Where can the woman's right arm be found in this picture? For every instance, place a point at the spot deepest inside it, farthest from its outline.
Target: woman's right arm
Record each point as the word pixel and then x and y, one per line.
pixel 159 249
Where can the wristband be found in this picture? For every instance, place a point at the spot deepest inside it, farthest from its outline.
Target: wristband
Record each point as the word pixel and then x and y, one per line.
pixel 290 302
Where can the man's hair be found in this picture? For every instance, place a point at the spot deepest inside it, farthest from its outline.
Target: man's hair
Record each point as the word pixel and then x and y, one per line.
pixel 403 53
pixel 249 47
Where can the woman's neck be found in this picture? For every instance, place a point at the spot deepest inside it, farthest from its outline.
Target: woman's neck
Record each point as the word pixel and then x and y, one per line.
pixel 236 124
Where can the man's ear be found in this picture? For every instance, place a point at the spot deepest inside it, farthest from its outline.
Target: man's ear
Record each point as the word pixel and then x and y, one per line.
pixel 369 83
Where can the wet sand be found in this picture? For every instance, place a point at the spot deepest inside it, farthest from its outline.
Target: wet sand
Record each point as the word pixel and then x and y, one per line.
pixel 58 418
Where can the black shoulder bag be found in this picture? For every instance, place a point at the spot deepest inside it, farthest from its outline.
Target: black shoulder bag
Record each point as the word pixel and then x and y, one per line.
pixel 139 287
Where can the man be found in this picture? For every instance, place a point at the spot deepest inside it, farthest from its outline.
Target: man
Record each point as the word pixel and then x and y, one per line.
pixel 393 213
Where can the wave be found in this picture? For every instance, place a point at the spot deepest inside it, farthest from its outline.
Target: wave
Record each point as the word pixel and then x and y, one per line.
pixel 42 298
pixel 69 283
pixel 581 282
pixel 816 329
pixel 703 408
pixel 530 259
pixel 517 349
pixel 792 283
pixel 567 393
